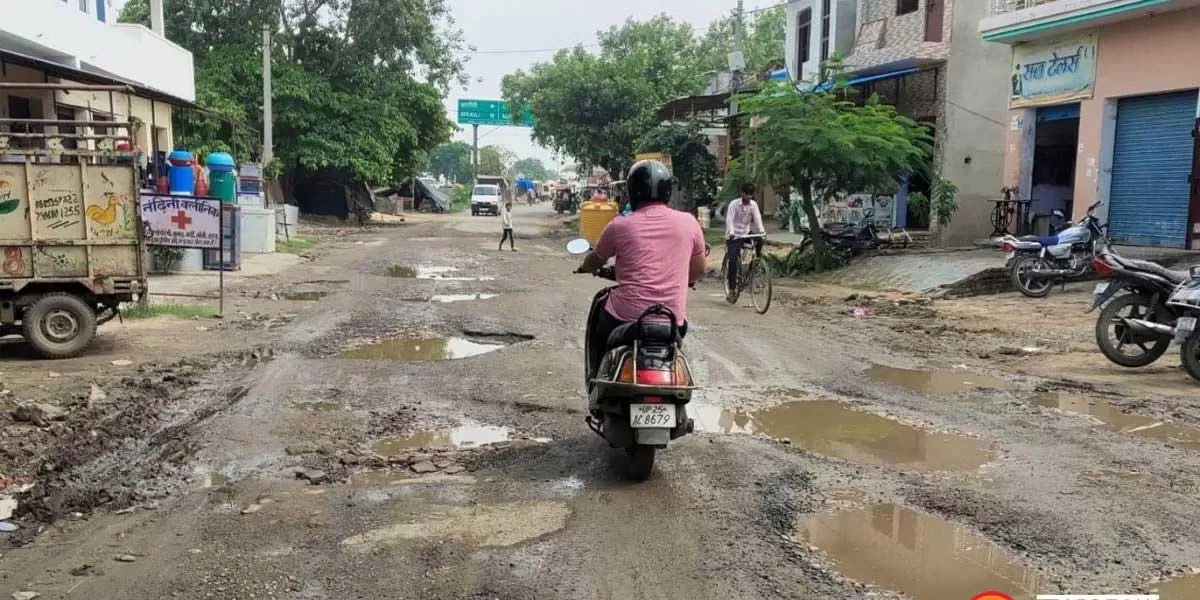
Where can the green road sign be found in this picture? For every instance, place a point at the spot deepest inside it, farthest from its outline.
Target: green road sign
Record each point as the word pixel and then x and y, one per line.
pixel 489 112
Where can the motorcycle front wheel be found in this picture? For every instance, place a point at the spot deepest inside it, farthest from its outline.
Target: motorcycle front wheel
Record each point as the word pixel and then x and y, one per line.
pixel 641 461
pixel 1190 353
pixel 1114 337
pixel 1021 279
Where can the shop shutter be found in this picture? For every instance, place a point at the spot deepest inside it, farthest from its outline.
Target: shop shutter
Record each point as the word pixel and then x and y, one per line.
pixel 1152 161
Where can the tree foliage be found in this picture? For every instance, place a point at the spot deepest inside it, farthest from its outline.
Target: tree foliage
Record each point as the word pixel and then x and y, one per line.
pixel 532 168
pixel 596 107
pixel 692 164
pixel 496 160
pixel 825 145
pixel 762 41
pixel 452 160
pixel 357 83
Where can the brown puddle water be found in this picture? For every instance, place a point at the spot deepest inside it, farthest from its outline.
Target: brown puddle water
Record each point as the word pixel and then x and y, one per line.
pixel 463 436
pixel 305 296
pixel 834 429
pixel 318 406
pixel 1184 588
pixel 379 477
pixel 1114 420
pixel 421 350
pixel 934 381
pixel 920 555
pixel 431 272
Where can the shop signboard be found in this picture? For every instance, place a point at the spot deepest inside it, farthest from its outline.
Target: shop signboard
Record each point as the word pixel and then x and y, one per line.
pixel 1054 72
pixel 181 221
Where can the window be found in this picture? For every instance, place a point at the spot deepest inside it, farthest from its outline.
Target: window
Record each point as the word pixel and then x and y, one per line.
pixel 486 190
pixel 903 7
pixel 803 36
pixel 825 30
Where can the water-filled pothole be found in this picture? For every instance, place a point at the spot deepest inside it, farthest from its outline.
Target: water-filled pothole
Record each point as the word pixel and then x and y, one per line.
pixel 834 429
pixel 924 381
pixel 426 349
pixel 461 297
pixel 431 272
pixel 1183 588
pixel 463 436
pixel 379 477
pixel 1114 420
pixel 305 296
pixel 918 554
pixel 494 525
pixel 318 406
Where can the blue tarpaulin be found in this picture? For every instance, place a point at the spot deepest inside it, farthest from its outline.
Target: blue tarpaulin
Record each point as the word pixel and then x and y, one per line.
pixel 866 79
pixel 779 75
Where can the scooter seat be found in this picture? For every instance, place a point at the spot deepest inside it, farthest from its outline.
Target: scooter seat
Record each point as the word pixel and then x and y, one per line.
pixel 1157 269
pixel 652 332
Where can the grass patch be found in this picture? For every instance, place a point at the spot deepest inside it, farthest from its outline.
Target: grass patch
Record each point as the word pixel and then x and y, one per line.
pixel 295 245
pixel 715 236
pixel 183 311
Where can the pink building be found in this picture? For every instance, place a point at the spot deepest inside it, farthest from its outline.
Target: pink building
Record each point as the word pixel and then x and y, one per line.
pixel 1104 99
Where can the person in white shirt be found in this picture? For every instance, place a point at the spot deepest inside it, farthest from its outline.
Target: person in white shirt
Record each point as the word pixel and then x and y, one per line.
pixel 742 219
pixel 506 223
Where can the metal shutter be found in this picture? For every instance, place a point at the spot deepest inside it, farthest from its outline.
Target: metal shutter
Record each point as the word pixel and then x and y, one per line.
pixel 1152 160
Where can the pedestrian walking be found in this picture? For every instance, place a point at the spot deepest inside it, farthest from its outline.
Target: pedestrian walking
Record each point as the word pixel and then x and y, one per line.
pixel 506 223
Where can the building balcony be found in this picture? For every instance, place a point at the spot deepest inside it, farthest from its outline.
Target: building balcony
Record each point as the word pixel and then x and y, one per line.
pixel 58 32
pixel 1012 21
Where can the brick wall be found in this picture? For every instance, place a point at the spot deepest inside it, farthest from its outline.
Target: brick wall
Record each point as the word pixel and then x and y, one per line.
pixel 886 37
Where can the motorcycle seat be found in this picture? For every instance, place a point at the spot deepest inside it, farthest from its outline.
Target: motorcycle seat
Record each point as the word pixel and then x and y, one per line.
pixel 652 332
pixel 1157 269
pixel 1051 240
pixel 1030 238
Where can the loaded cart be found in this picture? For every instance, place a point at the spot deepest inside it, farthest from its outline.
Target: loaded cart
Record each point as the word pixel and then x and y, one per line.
pixel 71 239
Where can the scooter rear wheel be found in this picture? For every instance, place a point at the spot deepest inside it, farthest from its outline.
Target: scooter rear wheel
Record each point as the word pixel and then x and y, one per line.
pixel 1114 337
pixel 641 461
pixel 1024 283
pixel 1190 353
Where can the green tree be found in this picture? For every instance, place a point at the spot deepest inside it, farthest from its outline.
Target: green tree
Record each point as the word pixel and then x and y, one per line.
pixel 452 160
pixel 533 169
pixel 358 83
pixel 495 160
pixel 825 145
pixel 692 164
pixel 762 41
pixel 595 107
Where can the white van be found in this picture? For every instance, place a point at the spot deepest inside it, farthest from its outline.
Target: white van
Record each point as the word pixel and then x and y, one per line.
pixel 485 198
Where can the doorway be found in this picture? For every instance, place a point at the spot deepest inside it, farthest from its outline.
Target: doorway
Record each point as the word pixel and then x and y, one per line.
pixel 1056 143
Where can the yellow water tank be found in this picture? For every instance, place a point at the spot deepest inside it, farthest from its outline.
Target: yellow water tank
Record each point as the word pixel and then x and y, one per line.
pixel 594 217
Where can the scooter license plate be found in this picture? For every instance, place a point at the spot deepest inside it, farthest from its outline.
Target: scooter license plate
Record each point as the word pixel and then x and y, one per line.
pixel 1100 288
pixel 642 416
pixel 1187 324
pixel 1009 255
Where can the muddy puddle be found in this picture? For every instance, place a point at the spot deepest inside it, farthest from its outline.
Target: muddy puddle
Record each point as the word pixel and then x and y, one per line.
pixel 1184 588
pixel 495 525
pixel 923 556
pixel 307 296
pixel 1113 419
pixel 428 349
pixel 936 381
pixel 379 477
pixel 834 429
pixel 431 272
pixel 463 436
pixel 318 406
pixel 215 479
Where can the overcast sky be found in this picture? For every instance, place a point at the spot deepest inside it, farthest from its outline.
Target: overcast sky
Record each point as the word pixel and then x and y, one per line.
pixel 516 34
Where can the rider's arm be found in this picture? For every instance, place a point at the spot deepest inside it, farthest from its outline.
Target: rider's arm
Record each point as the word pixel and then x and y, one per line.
pixel 758 222
pixel 699 263
pixel 606 248
pixel 729 218
pixel 592 263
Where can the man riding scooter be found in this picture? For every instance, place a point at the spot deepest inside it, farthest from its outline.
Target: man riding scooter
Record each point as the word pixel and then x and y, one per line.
pixel 659 252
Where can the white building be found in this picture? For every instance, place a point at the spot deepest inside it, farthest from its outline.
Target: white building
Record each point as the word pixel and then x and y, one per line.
pixel 80 42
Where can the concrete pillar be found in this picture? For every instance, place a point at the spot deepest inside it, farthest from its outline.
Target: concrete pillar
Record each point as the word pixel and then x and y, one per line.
pixel 156 17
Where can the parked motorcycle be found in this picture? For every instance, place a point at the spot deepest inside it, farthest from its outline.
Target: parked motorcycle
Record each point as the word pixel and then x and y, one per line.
pixel 568 203
pixel 855 238
pixel 638 399
pixel 1186 298
pixel 1037 263
pixel 1140 317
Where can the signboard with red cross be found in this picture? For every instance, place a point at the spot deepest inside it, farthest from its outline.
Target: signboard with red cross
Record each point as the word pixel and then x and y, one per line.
pixel 181 221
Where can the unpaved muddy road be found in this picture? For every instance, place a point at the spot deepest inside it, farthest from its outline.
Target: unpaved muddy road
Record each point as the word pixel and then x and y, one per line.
pixel 401 417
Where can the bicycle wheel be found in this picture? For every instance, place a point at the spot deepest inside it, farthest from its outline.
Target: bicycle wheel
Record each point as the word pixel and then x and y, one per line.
pixel 731 295
pixel 760 286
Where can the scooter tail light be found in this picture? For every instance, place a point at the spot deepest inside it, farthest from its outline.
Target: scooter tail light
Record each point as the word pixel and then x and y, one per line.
pixel 1007 247
pixel 1102 268
pixel 656 377
pixel 652 400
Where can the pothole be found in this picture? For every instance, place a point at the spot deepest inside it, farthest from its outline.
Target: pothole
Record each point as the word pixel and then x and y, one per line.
pixel 215 479
pixel 432 272
pixel 463 436
pixel 949 381
pixel 496 525
pixel 1183 588
pixel 834 429
pixel 461 297
pixel 1114 420
pixel 915 553
pixel 425 349
pixel 318 406
pixel 379 477
pixel 305 296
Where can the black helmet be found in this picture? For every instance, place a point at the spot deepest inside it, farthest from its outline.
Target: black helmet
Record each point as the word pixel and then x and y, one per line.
pixel 648 181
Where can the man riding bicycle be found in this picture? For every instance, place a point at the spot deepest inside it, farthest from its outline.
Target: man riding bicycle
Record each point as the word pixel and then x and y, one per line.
pixel 742 220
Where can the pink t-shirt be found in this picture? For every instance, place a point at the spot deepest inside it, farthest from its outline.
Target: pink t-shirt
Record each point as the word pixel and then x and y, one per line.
pixel 654 247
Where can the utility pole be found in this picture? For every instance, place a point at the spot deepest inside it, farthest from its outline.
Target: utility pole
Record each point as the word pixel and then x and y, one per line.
pixel 475 151
pixel 268 153
pixel 737 64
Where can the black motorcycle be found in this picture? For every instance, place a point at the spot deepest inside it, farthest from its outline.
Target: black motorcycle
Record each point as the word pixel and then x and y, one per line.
pixel 566 203
pixel 1186 298
pixel 852 239
pixel 1136 326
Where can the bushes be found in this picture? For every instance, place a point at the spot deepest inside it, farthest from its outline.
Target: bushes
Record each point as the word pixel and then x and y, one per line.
pixel 803 260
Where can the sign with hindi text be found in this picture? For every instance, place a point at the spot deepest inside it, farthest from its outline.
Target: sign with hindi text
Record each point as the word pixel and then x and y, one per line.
pixel 1055 71
pixel 181 221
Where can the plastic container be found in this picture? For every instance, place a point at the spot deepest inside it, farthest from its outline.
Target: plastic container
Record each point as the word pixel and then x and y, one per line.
pixel 703 216
pixel 594 217
pixel 222 183
pixel 180 178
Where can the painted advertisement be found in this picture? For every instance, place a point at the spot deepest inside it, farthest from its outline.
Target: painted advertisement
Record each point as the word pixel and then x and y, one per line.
pixel 1055 71
pixel 181 221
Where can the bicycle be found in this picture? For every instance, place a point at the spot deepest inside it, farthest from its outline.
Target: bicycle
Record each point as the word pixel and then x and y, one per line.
pixel 754 274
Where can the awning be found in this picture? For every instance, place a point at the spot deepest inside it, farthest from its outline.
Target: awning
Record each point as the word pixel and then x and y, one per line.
pixel 825 86
pixel 61 71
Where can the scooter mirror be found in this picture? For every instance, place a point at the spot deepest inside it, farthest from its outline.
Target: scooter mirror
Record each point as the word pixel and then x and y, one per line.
pixel 1058 213
pixel 578 246
pixel 707 249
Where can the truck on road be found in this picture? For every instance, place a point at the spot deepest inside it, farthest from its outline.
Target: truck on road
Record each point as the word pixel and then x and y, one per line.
pixel 489 193
pixel 71 241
